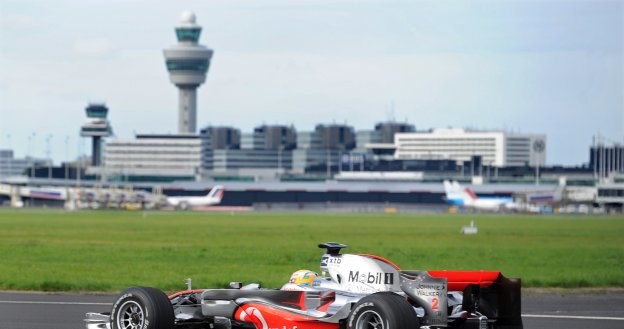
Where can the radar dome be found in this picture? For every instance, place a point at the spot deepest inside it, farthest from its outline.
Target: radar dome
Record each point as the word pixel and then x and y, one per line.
pixel 187 18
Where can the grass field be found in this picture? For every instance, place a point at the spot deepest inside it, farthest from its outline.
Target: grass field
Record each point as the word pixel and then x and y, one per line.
pixel 109 251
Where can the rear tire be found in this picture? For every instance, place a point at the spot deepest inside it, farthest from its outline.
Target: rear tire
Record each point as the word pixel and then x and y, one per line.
pixel 142 308
pixel 383 310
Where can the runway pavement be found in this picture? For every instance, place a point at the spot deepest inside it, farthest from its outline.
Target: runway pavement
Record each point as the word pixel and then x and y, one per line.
pixel 540 310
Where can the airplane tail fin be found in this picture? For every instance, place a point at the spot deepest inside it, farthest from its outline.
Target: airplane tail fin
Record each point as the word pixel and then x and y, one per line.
pixel 470 194
pixel 455 193
pixel 448 189
pixel 216 194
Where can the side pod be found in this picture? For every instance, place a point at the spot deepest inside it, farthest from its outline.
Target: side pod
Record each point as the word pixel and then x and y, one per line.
pixel 500 301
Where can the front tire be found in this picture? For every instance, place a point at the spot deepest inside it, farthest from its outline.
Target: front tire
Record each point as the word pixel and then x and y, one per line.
pixel 142 308
pixel 383 310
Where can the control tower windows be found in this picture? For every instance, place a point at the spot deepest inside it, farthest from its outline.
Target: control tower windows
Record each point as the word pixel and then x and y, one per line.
pixel 187 65
pixel 188 34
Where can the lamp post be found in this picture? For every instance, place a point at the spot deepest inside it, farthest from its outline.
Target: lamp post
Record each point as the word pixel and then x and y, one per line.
pixel 32 160
pixel 29 155
pixel 538 147
pixel 79 163
pixel 66 156
pixel 11 158
pixel 48 155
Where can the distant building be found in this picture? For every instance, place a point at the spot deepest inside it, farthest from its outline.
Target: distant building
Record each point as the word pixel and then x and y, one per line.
pixel 267 148
pixel 606 160
pixel 12 166
pixel 220 138
pixel 284 150
pixel 387 130
pixel 154 157
pixel 378 144
pixel 611 196
pixel 336 137
pixel 271 151
pixel 321 161
pixel 496 148
pixel 235 160
pixel 274 137
pixel 217 139
pixel 320 150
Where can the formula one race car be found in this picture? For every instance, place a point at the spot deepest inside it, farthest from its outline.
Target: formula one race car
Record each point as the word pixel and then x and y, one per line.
pixel 353 292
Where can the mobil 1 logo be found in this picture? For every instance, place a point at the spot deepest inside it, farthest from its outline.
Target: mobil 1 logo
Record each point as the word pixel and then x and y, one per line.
pixel 371 277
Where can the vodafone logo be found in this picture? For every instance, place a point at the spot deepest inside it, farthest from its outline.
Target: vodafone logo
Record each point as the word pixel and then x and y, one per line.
pixel 254 313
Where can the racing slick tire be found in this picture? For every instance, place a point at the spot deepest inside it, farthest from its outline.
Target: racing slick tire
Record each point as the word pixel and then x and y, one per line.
pixel 142 308
pixel 383 310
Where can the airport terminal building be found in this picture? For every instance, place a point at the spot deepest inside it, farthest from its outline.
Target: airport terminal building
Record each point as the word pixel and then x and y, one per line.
pixel 274 151
pixel 496 148
pixel 153 157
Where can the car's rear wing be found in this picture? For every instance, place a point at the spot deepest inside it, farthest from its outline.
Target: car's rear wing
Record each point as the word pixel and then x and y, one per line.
pixel 487 296
pixel 500 300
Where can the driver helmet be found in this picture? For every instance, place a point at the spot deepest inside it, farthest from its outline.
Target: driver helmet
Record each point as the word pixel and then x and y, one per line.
pixel 301 279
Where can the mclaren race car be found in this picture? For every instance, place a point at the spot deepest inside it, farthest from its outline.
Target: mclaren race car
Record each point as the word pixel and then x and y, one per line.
pixel 353 292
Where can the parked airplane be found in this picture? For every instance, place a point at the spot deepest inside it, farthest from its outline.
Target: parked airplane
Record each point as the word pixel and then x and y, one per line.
pixel 186 202
pixel 464 196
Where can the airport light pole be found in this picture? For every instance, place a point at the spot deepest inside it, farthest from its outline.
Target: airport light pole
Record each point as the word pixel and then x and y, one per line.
pixel 29 151
pixel 539 147
pixel 34 140
pixel 537 180
pixel 79 162
pixel 10 159
pixel 48 155
pixel 66 156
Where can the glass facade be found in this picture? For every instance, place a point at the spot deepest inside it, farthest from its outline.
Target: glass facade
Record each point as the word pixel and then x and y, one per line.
pixel 197 65
pixel 188 34
pixel 97 111
pixel 611 192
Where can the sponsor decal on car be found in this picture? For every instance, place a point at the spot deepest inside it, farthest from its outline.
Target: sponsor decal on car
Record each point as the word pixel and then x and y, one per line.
pixel 371 277
pixel 426 290
pixel 330 261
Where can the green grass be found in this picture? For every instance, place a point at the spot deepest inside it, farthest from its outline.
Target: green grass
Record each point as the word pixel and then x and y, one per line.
pixel 109 251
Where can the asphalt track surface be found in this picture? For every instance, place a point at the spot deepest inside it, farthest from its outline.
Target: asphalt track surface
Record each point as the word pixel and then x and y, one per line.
pixel 540 310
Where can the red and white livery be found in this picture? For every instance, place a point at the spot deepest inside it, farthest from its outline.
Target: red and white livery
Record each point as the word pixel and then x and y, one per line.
pixel 353 291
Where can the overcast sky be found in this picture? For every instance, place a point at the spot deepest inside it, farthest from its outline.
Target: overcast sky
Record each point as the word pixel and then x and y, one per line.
pixel 552 67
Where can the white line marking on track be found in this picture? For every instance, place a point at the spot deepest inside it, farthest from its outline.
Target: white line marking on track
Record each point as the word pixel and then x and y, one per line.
pixel 572 317
pixel 49 303
pixel 523 315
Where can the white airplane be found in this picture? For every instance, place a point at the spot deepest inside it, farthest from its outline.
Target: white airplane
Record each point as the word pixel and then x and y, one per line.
pixel 186 202
pixel 464 196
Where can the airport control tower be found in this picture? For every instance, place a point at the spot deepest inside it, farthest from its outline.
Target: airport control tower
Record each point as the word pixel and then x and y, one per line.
pixel 96 127
pixel 187 63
